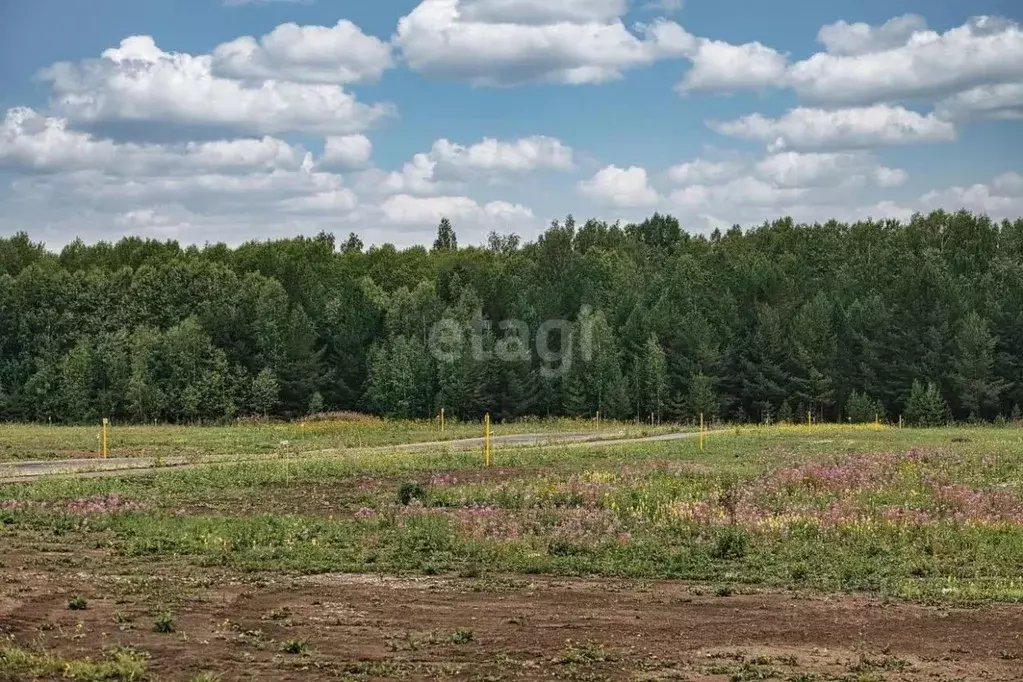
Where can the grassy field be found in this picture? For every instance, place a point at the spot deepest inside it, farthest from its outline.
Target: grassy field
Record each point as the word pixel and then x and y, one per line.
pixel 39 442
pixel 919 516
pixel 909 513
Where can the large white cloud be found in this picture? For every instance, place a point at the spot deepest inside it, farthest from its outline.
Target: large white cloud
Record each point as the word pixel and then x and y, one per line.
pixel 804 128
pixel 918 63
pixel 845 39
pixel 348 151
pixel 410 210
pixel 33 141
pixel 1002 197
pixel 507 42
pixel 900 60
pixel 810 169
pixel 315 54
pixel 778 180
pixel 620 187
pixel 448 164
pixel 538 12
pixel 138 81
pixel 701 171
pixel 519 156
pixel 1002 101
pixel 721 66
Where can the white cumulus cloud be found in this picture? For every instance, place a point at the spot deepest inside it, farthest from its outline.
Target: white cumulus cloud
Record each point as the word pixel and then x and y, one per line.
pixel 509 42
pixel 1001 101
pixel 917 62
pixel 845 39
pixel 702 171
pixel 31 140
pixel 809 129
pixel 349 151
pixel 810 169
pixel 404 209
pixel 448 164
pixel 620 187
pixel 314 54
pixel 138 81
pixel 721 66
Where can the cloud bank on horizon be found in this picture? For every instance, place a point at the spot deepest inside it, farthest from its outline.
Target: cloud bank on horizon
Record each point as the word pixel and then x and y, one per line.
pixel 504 114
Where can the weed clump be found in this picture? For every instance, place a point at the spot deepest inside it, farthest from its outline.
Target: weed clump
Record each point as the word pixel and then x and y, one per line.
pixel 411 491
pixel 164 623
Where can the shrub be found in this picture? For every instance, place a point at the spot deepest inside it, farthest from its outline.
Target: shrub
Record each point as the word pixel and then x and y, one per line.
pixel 462 636
pixel 411 491
pixel 731 543
pixel 164 623
pixel 77 603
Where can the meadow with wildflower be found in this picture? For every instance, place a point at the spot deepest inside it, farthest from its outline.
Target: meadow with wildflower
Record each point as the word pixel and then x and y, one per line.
pixel 934 515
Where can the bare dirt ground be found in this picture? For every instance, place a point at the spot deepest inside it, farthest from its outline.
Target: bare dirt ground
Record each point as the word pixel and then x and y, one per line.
pixel 487 627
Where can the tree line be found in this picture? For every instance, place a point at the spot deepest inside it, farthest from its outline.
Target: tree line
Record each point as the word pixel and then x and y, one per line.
pixel 844 322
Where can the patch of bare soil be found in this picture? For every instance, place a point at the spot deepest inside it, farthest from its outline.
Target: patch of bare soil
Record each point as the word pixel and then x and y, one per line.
pixel 249 627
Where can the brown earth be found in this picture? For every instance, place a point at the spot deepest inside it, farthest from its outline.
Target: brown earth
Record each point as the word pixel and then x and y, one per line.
pixel 512 627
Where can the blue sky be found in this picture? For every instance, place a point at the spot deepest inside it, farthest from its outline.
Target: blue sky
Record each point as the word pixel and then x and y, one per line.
pixel 209 120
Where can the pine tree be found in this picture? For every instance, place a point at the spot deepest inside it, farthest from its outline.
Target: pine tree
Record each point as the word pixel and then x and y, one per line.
pixel 860 408
pixel 973 367
pixel 300 372
pixel 925 406
pixel 315 403
pixel 785 414
pixel 702 398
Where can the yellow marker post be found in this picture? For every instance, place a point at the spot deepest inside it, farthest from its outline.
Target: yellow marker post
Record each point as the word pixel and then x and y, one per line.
pixel 809 421
pixel 598 419
pixel 486 440
pixel 442 420
pixel 701 431
pixel 877 423
pixel 103 439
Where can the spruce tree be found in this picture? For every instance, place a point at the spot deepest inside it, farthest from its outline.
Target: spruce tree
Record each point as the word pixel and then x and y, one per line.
pixel 785 412
pixel 925 406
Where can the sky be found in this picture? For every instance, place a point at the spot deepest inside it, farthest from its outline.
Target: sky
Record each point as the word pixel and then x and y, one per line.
pixel 231 120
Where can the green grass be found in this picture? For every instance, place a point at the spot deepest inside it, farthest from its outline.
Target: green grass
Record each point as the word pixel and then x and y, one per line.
pixel 932 515
pixel 40 442
pixel 120 666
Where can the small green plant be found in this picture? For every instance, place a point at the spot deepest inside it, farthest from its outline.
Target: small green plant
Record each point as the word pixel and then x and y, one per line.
pixel 724 591
pixel 731 543
pixel 461 636
pixel 295 646
pixel 584 654
pixel 77 603
pixel 411 491
pixel 164 623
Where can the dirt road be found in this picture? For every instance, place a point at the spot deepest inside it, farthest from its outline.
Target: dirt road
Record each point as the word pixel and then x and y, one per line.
pixel 28 470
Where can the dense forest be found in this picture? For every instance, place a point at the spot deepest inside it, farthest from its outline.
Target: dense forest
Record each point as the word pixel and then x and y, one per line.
pixel 923 318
